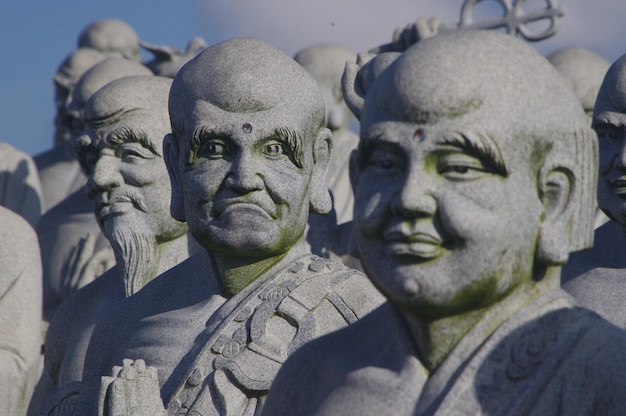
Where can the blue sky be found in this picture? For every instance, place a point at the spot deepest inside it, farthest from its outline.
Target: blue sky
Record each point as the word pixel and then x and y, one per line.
pixel 36 37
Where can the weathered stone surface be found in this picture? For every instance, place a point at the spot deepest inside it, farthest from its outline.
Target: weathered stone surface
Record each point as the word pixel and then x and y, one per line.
pixel 129 186
pixel 248 158
pixel 20 313
pixel 472 186
pixel 601 288
pixel 20 189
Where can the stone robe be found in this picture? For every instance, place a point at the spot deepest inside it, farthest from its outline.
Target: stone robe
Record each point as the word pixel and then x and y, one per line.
pixel 550 358
pixel 216 355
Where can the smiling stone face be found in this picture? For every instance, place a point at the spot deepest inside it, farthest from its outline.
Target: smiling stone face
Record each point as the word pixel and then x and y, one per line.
pixel 450 180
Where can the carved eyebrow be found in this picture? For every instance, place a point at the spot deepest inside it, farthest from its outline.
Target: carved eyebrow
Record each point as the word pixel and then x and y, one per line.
pixel 127 134
pixel 290 137
pixel 607 119
pixel 479 146
pixel 293 140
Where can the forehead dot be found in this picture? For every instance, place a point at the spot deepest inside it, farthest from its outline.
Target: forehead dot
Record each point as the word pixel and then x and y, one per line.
pixel 247 128
pixel 418 135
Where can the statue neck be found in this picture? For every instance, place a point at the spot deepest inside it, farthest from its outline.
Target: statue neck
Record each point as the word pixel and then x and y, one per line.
pixel 172 252
pixel 235 273
pixel 435 339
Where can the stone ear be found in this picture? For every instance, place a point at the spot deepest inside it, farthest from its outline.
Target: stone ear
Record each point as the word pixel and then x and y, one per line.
pixel 556 187
pixel 353 95
pixel 319 195
pixel 170 156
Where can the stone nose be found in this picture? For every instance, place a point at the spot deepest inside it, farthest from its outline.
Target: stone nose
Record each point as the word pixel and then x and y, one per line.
pixel 417 197
pixel 105 176
pixel 244 174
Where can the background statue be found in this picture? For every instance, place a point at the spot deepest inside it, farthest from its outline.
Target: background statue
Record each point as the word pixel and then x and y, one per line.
pixel 585 71
pixel 168 60
pixel 326 63
pixel 57 166
pixel 248 158
pixel 69 232
pixel 472 186
pixel 20 189
pixel 113 37
pixel 603 288
pixel 20 313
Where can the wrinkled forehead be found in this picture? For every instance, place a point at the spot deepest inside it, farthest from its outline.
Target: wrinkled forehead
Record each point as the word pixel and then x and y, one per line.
pixel 267 118
pixel 484 82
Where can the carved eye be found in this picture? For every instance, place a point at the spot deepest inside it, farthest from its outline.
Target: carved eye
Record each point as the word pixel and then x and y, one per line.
pixel 610 132
pixel 385 161
pixel 460 166
pixel 132 153
pixel 213 149
pixel 274 149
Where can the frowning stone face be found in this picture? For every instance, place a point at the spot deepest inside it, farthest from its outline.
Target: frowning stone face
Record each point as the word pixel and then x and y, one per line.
pixel 252 148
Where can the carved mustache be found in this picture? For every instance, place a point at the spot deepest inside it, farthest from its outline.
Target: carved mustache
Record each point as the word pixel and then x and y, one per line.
pixel 121 196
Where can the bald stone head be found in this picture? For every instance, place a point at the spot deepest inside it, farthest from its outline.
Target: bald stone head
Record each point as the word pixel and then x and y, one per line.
pixel 75 65
pixel 584 69
pixel 247 122
pixel 111 37
pixel 609 121
pixel 326 63
pixel 247 75
pixel 103 73
pixel 497 84
pixel 475 155
pixel 94 79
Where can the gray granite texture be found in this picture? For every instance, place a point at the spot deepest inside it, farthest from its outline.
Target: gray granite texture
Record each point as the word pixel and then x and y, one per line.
pixel 472 186
pixel 66 230
pixel 248 158
pixel 326 63
pixel 20 188
pixel 129 186
pixel 20 313
pixel 602 288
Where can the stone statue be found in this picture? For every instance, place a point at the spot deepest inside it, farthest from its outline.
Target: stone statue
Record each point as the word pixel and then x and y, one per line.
pixel 128 183
pixel 326 63
pixel 472 186
pixel 585 71
pixel 20 313
pixel 248 158
pixel 65 229
pixel 58 170
pixel 57 166
pixel 20 189
pixel 112 37
pixel 168 60
pixel 603 288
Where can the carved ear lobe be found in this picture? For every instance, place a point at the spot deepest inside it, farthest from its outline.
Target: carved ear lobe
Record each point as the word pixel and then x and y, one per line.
pixel 556 190
pixel 170 156
pixel 319 195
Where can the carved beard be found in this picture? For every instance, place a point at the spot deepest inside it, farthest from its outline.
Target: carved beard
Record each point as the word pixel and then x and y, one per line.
pixel 136 255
